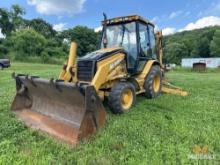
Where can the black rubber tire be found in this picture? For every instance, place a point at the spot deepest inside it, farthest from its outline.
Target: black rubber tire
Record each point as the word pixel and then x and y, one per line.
pixel 148 84
pixel 114 99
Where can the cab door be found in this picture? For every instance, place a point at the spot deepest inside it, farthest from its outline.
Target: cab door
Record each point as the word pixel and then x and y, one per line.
pixel 146 44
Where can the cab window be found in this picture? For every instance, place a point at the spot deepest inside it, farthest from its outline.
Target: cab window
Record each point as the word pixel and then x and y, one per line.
pixel 144 40
pixel 152 41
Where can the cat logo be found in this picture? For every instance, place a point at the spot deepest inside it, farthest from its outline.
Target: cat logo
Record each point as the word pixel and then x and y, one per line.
pixel 200 149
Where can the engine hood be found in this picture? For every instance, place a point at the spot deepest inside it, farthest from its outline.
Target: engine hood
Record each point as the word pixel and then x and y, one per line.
pixel 101 54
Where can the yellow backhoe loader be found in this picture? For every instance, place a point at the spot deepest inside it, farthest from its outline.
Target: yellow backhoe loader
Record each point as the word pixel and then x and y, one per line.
pixel 70 108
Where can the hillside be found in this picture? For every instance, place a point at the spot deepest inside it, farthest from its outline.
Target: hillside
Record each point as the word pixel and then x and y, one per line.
pixel 195 43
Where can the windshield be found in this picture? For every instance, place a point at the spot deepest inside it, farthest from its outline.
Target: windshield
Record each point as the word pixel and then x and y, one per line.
pixel 116 35
pixel 123 35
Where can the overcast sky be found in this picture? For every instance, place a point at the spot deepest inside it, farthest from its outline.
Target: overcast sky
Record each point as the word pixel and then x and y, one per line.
pixel 169 15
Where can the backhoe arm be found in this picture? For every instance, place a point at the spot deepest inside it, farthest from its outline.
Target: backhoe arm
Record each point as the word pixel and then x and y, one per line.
pixel 159 46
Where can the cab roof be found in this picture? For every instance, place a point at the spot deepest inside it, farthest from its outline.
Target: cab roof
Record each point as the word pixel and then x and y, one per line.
pixel 124 19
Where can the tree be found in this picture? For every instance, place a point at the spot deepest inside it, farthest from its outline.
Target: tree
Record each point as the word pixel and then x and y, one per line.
pixel 3 49
pixel 174 52
pixel 16 14
pixel 87 39
pixel 5 23
pixel 11 20
pixel 42 27
pixel 201 48
pixel 215 44
pixel 27 42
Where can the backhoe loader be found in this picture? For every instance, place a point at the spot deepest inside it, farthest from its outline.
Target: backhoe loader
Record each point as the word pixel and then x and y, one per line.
pixel 128 63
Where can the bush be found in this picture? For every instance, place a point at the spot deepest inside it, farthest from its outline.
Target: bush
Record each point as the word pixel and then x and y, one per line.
pixel 55 52
pixel 3 51
pixel 45 58
pixel 27 45
pixel 28 42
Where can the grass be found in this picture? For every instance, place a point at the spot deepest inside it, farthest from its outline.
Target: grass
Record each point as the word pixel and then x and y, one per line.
pixel 159 131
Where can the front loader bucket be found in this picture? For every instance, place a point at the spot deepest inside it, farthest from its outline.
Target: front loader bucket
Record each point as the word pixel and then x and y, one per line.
pixel 63 110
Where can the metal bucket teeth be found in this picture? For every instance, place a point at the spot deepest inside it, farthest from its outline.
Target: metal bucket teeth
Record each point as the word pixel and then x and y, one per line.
pixel 61 109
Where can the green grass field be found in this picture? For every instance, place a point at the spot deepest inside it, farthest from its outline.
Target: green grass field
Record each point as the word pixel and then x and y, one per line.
pixel 159 131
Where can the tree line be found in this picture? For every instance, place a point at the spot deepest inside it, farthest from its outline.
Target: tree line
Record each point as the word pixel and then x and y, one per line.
pixel 36 40
pixel 192 44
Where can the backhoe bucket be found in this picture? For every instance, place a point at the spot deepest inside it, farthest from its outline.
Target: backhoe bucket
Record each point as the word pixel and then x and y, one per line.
pixel 63 110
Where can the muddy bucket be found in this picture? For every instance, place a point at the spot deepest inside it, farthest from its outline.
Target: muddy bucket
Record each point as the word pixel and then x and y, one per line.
pixel 64 110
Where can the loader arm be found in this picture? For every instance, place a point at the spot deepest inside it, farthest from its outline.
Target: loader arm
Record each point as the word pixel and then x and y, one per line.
pixel 69 69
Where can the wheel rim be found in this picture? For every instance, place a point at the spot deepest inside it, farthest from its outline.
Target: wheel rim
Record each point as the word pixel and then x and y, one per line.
pixel 127 99
pixel 156 83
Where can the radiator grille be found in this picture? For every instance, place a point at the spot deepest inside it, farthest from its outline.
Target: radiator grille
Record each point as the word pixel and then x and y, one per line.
pixel 85 70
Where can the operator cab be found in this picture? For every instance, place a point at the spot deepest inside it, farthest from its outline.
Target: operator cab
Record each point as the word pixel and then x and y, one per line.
pixel 135 35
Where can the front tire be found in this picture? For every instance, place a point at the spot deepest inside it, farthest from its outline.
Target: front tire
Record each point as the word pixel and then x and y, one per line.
pixel 122 97
pixel 153 82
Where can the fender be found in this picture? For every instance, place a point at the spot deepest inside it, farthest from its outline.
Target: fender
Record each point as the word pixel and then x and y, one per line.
pixel 147 68
pixel 141 77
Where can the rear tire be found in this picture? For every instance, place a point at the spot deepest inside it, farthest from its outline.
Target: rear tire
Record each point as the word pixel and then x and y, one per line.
pixel 153 82
pixel 122 97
